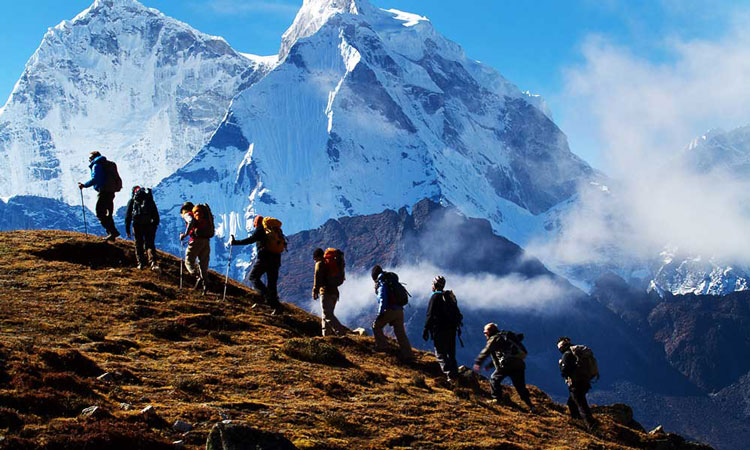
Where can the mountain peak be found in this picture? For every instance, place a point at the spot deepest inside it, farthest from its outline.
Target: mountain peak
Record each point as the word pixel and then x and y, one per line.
pixel 315 13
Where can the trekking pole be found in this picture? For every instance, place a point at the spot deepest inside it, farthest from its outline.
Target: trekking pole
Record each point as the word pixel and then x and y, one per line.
pixel 83 208
pixel 229 264
pixel 181 262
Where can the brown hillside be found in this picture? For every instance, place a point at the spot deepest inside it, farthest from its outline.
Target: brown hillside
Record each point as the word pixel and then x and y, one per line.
pixel 73 308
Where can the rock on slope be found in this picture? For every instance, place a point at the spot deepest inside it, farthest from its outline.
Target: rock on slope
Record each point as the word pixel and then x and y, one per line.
pixel 75 309
pixel 146 90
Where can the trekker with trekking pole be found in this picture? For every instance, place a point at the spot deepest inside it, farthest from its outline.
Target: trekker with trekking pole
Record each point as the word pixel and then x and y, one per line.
pixel 392 297
pixel 270 243
pixel 443 323
pixel 579 367
pixel 106 181
pixel 200 229
pixel 144 215
pixel 507 353
pixel 329 275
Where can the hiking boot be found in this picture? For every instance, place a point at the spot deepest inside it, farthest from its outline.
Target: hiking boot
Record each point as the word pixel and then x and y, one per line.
pixel 493 402
pixel 155 268
pixel 139 266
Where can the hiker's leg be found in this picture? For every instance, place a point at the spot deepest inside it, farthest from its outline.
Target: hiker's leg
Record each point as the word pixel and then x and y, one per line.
pixel 338 327
pixel 518 377
pixel 259 268
pixel 398 329
pixel 109 212
pixel 578 394
pixel 103 199
pixel 496 384
pixel 442 353
pixel 204 257
pixel 573 406
pixel 327 304
pixel 190 255
pixel 150 238
pixel 140 238
pixel 452 363
pixel 272 279
pixel 377 330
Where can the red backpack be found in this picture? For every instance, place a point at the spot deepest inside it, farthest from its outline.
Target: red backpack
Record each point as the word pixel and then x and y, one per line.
pixel 335 266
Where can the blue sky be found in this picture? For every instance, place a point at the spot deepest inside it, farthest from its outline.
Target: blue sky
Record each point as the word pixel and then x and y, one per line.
pixel 535 44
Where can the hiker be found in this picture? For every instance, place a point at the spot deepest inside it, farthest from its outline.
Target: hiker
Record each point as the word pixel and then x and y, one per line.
pixel 390 311
pixel 443 322
pixel 144 215
pixel 269 242
pixel 329 275
pixel 200 229
pixel 106 181
pixel 507 353
pixel 578 366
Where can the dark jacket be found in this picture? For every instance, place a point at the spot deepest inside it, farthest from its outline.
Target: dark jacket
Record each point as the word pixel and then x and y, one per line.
pixel 569 371
pixel 381 291
pixel 439 315
pixel 152 218
pixel 258 238
pixel 98 174
pixel 498 349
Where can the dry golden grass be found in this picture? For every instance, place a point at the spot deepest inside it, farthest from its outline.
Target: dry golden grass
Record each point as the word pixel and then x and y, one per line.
pixel 72 307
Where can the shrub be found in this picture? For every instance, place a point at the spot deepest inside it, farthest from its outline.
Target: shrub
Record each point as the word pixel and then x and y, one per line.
pixel 314 350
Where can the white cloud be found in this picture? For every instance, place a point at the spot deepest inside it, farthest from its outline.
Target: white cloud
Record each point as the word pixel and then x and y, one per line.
pixel 481 291
pixel 643 114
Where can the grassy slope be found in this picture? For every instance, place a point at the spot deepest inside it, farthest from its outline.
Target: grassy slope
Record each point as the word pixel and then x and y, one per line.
pixel 200 360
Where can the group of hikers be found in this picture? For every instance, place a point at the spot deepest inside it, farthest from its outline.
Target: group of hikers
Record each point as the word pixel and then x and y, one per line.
pixel 443 322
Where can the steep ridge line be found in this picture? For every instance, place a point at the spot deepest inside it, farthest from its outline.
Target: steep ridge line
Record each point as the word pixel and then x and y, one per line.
pixel 66 318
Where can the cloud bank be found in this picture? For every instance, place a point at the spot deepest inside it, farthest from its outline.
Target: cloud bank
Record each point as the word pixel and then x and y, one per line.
pixel 643 114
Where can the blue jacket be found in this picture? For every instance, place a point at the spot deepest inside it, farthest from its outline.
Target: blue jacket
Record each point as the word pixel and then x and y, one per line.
pixel 98 174
pixel 381 291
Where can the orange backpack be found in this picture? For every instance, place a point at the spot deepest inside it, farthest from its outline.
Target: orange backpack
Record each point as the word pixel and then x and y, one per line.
pixel 335 266
pixel 204 217
pixel 275 240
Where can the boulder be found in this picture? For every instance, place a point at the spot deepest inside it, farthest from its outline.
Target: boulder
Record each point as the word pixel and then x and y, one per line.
pixel 228 435
pixel 181 427
pixel 94 412
pixel 105 377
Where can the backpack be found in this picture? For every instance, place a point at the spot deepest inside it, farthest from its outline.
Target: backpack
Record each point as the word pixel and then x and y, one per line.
pixel 586 366
pixel 112 182
pixel 516 349
pixel 202 214
pixel 143 206
pixel 397 293
pixel 335 266
pixel 451 315
pixel 275 241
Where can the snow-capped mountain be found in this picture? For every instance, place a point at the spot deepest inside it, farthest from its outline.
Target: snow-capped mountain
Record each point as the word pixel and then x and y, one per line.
pixel 371 109
pixel 144 89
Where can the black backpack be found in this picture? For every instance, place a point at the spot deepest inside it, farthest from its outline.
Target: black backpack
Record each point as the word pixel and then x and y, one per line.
pixel 397 293
pixel 112 182
pixel 451 315
pixel 144 208
pixel 515 349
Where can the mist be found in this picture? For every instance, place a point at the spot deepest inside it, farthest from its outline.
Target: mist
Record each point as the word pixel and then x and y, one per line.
pixel 482 291
pixel 643 115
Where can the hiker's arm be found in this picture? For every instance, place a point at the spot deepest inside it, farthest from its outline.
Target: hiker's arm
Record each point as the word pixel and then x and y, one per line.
pixel 318 281
pixel 484 354
pixel 567 365
pixel 382 297
pixel 255 237
pixel 190 224
pixel 128 216
pixel 430 311
pixel 96 176
pixel 156 213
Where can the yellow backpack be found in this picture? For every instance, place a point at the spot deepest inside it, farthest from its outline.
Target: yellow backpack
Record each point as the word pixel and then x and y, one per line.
pixel 275 240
